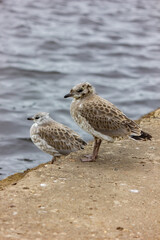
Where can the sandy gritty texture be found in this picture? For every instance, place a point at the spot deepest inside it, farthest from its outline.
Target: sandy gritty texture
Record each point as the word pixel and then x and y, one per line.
pixel 117 197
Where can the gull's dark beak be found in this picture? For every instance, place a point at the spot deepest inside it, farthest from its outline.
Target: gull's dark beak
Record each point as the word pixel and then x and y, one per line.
pixel 68 95
pixel 30 118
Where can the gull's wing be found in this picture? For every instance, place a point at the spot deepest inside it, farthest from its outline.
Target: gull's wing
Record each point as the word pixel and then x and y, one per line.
pixel 107 119
pixel 63 139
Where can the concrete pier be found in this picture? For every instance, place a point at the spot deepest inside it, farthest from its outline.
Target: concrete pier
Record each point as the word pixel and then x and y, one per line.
pixel 116 197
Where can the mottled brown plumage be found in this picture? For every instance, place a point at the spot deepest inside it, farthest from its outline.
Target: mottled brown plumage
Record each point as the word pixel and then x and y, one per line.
pixel 52 137
pixel 104 117
pixel 100 118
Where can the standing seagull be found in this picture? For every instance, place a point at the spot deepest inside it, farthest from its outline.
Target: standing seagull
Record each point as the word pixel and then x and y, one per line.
pixel 52 137
pixel 101 118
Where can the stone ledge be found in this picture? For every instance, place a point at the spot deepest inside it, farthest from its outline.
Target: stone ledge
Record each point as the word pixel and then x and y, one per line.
pixel 116 197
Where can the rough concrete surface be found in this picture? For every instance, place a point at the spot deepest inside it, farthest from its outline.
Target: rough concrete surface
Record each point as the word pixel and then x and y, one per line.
pixel 116 197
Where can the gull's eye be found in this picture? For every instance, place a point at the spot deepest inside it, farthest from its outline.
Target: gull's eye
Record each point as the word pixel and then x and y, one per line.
pixel 80 90
pixel 37 117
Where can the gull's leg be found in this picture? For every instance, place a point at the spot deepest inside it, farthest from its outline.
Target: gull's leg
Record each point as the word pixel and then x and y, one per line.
pixel 99 141
pixel 92 158
pixel 53 160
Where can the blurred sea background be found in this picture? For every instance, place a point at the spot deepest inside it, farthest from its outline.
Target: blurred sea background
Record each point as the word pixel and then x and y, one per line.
pixel 48 46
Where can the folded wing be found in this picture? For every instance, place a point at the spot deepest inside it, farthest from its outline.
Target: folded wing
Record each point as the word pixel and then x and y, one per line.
pixel 107 119
pixel 64 140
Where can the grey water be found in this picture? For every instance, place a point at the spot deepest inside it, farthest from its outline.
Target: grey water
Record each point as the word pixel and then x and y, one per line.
pixel 46 47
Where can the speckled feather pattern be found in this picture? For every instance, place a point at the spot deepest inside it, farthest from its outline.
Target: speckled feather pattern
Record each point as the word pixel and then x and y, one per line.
pixel 101 118
pixel 55 138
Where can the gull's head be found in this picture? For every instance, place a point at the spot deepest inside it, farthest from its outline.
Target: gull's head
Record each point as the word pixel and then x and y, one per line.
pixel 40 117
pixel 81 90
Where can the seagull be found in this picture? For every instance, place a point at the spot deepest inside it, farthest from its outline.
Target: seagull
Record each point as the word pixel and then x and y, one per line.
pixel 100 118
pixel 52 137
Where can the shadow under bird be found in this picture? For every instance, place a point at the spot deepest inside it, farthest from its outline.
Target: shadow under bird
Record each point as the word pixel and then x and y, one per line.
pixel 52 137
pixel 101 118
